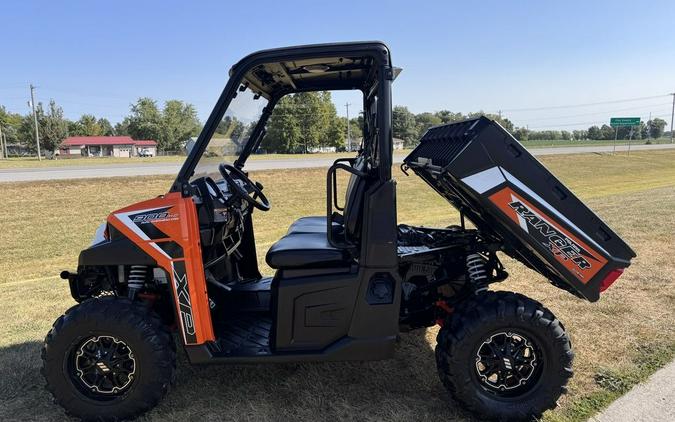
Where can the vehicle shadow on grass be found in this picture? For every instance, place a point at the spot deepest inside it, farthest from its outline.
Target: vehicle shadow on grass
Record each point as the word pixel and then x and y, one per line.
pixel 403 388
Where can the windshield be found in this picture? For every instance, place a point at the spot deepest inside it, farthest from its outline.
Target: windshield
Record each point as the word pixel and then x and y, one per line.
pixel 232 133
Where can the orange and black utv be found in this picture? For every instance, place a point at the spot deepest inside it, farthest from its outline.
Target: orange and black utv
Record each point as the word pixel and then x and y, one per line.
pixel 347 282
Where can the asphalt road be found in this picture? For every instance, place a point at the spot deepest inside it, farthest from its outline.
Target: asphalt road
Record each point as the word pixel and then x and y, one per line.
pixel 653 401
pixel 147 169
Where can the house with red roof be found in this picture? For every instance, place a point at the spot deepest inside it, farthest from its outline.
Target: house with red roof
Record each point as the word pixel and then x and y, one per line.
pixel 107 146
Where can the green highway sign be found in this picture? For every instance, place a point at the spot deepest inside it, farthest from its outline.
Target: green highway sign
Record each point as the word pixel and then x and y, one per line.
pixel 624 121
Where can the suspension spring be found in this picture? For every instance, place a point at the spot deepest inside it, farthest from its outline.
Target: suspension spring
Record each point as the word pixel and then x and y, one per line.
pixel 475 267
pixel 137 277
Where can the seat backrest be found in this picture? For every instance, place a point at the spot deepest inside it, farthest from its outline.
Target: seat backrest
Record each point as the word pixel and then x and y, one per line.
pixel 353 209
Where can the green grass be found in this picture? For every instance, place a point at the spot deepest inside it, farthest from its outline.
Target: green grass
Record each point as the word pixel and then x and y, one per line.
pixel 46 224
pixel 538 143
pixel 615 382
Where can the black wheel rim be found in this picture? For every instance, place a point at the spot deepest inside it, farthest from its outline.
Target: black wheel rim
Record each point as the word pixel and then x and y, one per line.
pixel 102 367
pixel 508 364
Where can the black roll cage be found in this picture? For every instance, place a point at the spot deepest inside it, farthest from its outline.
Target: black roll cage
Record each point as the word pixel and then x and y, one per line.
pixel 376 50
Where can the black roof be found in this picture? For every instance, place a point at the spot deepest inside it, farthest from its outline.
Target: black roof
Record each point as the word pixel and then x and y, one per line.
pixel 312 67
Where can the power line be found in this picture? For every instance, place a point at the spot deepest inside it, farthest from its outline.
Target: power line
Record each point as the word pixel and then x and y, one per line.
pixel 584 104
pixel 597 122
pixel 596 113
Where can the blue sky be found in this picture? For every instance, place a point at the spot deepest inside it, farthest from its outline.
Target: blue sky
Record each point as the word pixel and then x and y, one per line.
pixel 98 57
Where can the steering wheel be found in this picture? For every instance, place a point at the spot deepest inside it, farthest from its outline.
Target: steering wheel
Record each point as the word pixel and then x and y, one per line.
pixel 247 190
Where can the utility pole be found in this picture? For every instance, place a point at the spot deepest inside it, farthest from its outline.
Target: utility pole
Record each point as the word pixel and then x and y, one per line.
pixel 2 148
pixel 37 134
pixel 349 132
pixel 649 129
pixel 672 115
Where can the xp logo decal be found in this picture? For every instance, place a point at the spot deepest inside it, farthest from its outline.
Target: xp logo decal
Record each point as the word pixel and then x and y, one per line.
pixel 184 305
pixel 567 249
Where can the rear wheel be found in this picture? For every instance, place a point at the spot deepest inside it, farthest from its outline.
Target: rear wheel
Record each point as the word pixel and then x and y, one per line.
pixel 504 356
pixel 108 359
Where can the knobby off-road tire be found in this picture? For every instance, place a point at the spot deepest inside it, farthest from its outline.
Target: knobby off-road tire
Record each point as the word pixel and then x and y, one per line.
pixel 89 341
pixel 498 322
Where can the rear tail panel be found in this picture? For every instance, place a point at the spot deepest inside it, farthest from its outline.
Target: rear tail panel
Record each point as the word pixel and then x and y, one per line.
pixel 490 177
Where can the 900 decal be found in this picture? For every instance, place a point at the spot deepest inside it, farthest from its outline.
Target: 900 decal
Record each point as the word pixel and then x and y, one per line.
pixel 154 217
pixel 567 249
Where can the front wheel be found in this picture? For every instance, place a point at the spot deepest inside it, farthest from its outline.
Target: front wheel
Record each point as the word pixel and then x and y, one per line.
pixel 504 356
pixel 108 359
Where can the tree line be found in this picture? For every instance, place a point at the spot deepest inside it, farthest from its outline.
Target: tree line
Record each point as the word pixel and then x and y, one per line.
pixel 410 127
pixel 652 129
pixel 301 122
pixel 170 126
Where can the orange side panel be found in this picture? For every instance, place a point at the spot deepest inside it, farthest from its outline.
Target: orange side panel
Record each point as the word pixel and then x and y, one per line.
pixel 167 229
pixel 574 254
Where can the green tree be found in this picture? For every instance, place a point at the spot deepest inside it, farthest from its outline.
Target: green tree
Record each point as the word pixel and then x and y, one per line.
pixel 521 134
pixel 312 120
pixel 336 133
pixel 656 127
pixel 52 127
pixel 145 121
pixel 579 135
pixel 594 133
pixel 236 131
pixel 10 122
pixel 89 125
pixel 178 123
pixel 356 127
pixel 424 121
pixel 333 129
pixel 607 132
pixel 283 129
pixel 122 128
pixel 106 127
pixel 404 125
pixel 304 121
pixel 447 116
pixel 75 128
pixel 356 131
pixel 225 126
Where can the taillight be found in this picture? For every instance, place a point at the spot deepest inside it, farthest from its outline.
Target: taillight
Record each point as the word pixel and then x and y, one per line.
pixel 610 278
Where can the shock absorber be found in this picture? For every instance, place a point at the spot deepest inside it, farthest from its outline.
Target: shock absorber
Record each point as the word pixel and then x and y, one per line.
pixel 475 268
pixel 137 277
